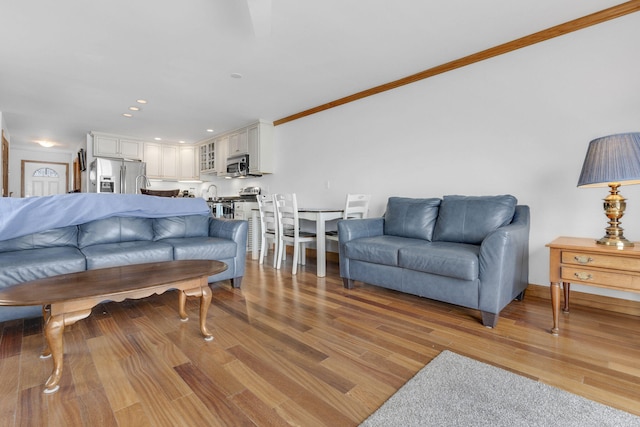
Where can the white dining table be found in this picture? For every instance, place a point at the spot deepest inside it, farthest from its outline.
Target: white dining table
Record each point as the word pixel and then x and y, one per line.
pixel 320 216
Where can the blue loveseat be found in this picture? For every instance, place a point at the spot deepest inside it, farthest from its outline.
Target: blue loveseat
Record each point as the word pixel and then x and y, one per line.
pixel 464 250
pixel 80 232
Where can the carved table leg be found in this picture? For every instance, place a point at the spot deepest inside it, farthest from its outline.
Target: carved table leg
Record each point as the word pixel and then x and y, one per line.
pixel 205 301
pixel 182 301
pixel 555 305
pixel 46 314
pixel 204 292
pixel 566 286
pixel 54 330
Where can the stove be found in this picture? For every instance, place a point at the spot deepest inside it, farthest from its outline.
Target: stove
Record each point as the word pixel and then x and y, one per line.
pixel 226 206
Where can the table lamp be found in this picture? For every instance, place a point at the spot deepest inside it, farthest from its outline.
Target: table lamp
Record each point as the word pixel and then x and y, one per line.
pixel 612 161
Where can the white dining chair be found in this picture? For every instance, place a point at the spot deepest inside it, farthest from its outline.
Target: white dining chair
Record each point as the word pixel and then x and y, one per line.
pixel 356 206
pixel 268 226
pixel 289 232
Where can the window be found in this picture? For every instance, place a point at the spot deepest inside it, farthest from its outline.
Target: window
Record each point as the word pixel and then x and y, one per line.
pixel 45 173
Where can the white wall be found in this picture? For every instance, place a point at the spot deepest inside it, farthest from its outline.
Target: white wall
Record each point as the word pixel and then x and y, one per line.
pixel 517 124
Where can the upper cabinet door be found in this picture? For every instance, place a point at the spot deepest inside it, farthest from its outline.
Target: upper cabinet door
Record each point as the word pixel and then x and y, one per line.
pixel 207 157
pixel 105 146
pixel 170 161
pixel 131 149
pixel 261 154
pixel 187 155
pixel 238 143
pixel 153 159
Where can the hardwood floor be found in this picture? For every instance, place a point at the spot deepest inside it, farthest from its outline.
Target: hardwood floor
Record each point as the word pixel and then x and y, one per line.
pixel 296 351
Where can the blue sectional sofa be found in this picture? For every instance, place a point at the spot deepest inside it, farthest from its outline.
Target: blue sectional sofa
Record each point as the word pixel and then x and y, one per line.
pixel 464 250
pixel 79 232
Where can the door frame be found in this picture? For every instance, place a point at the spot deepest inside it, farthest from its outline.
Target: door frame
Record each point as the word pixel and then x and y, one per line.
pixel 44 162
pixel 5 165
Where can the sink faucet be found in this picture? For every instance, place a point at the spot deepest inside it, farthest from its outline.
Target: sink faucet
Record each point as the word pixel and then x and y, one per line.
pixel 145 182
pixel 209 189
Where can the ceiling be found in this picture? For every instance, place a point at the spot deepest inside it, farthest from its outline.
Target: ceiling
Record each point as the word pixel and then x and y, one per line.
pixel 74 66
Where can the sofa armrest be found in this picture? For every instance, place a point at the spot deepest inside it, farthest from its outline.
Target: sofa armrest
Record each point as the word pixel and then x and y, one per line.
pixel 351 229
pixel 504 263
pixel 228 228
pixel 236 230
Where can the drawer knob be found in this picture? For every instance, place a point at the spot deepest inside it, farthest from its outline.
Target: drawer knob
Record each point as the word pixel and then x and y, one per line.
pixel 583 276
pixel 583 259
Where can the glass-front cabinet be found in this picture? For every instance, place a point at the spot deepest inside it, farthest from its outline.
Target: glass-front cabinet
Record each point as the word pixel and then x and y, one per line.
pixel 208 157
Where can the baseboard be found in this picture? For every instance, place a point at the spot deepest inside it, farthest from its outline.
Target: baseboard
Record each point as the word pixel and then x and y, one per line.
pixel 617 305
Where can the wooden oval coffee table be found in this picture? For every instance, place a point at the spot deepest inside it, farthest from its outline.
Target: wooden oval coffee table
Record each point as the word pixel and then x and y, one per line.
pixel 67 298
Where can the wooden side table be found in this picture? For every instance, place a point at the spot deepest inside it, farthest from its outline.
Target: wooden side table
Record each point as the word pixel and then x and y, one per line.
pixel 581 260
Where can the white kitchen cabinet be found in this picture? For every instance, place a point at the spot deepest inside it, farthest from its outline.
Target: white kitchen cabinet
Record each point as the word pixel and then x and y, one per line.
pixel 131 149
pixel 260 146
pixel 255 140
pixel 187 163
pixel 161 160
pixel 212 157
pixel 222 151
pixel 207 157
pixel 115 146
pixel 170 161
pixel 153 159
pixel 238 143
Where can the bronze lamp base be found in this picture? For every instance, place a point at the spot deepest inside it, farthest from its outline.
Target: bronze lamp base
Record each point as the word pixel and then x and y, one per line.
pixel 614 206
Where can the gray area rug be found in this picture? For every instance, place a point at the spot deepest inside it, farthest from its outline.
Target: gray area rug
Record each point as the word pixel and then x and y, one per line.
pixel 453 390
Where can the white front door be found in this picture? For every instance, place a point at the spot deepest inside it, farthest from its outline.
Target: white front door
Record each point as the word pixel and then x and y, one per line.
pixel 44 179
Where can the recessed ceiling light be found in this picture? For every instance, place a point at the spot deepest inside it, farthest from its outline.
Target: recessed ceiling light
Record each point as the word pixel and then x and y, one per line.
pixel 127 114
pixel 157 139
pixel 141 101
pixel 236 75
pixel 181 142
pixel 134 108
pixel 209 130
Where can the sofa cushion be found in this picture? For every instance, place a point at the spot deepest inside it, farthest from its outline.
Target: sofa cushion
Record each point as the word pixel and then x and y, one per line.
pixel 414 218
pixel 202 248
pixel 378 249
pixel 456 260
pixel 469 219
pixel 180 226
pixel 63 236
pixel 126 253
pixel 115 229
pixel 31 264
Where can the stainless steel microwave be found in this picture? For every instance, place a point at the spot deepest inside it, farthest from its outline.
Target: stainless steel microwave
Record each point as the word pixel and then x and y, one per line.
pixel 238 166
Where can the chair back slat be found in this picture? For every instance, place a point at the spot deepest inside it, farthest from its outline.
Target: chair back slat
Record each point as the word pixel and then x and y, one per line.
pixel 286 206
pixel 287 213
pixel 357 206
pixel 268 225
pixel 268 220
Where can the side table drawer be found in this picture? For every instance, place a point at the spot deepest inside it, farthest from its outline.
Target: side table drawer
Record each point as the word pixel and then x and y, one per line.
pixel 609 279
pixel 615 262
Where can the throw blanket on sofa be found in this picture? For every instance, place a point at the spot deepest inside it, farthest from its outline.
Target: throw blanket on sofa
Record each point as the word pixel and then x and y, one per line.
pixel 19 217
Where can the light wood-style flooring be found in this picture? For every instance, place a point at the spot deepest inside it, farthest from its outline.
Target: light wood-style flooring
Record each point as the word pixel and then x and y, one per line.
pixel 296 351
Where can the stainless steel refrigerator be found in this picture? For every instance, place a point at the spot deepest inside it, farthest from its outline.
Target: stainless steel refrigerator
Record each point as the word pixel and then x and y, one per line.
pixel 110 175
